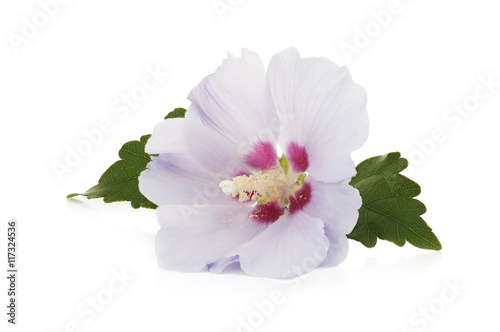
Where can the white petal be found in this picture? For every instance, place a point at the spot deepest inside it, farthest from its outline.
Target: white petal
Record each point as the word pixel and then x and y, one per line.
pixel 221 264
pixel 337 252
pixel 190 239
pixel 337 204
pixel 173 135
pixel 189 136
pixel 193 161
pixel 235 101
pixel 321 110
pixel 293 245
pixel 175 179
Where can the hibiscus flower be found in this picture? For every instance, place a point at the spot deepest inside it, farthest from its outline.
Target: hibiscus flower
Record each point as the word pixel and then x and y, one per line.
pixel 223 193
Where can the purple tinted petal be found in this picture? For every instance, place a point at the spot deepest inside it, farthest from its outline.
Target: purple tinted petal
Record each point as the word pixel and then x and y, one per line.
pixel 235 100
pixel 262 156
pixel 193 160
pixel 337 251
pixel 190 238
pixel 293 245
pixel 221 264
pixel 267 212
pixel 321 109
pixel 337 204
pixel 300 199
pixel 297 156
pixel 179 179
pixel 213 151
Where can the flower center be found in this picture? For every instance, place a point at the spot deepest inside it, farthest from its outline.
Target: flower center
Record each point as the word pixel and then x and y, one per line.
pixel 271 185
pixel 261 186
pixel 278 188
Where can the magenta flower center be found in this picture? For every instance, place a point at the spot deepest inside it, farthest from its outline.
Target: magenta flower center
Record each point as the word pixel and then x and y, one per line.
pixel 274 190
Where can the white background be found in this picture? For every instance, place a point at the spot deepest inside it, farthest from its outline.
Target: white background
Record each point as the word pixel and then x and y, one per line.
pixel 65 79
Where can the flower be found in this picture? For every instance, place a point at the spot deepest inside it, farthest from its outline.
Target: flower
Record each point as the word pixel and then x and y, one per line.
pixel 223 193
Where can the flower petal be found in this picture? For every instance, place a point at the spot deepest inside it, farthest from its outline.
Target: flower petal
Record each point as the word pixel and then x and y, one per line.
pixel 235 101
pixel 190 136
pixel 267 213
pixel 293 245
pixel 193 160
pixel 322 113
pixel 221 264
pixel 262 156
pixel 190 239
pixel 337 204
pixel 337 252
pixel 177 179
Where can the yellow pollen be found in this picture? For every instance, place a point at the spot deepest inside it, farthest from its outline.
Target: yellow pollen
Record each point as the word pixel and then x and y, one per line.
pixel 266 185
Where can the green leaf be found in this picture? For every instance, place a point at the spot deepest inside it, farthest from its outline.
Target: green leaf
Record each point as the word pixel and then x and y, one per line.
pixel 120 182
pixel 176 113
pixel 389 211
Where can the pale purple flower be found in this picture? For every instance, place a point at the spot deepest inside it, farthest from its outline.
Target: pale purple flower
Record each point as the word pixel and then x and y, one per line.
pixel 222 192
